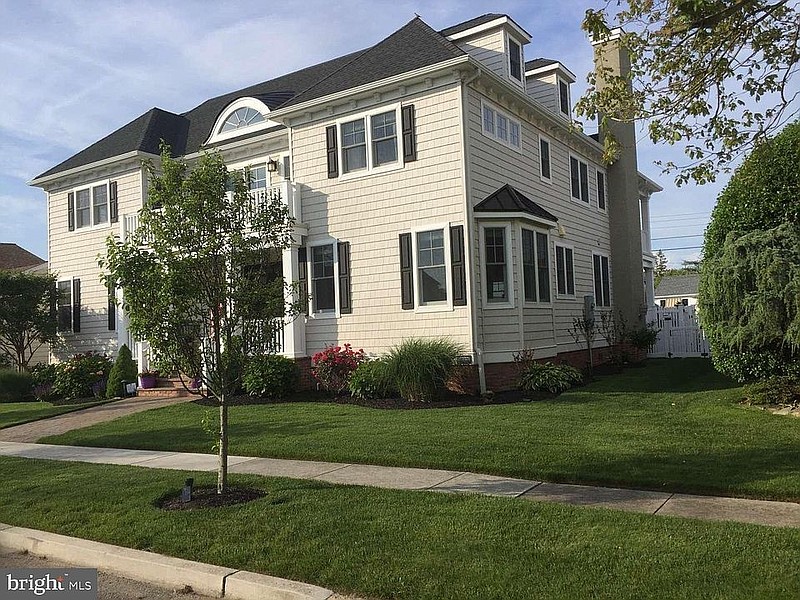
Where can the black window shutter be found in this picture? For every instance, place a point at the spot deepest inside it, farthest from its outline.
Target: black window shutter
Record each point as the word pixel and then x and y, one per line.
pixel 333 152
pixel 112 310
pixel 406 272
pixel 458 266
pixel 76 305
pixel 113 205
pixel 287 167
pixel 71 210
pixel 409 134
pixel 345 298
pixel 302 278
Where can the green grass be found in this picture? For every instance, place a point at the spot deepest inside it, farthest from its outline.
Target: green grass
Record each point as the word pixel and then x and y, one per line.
pixel 674 425
pixel 17 413
pixel 409 545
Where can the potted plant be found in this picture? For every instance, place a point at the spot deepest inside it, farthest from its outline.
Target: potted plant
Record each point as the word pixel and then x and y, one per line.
pixel 147 379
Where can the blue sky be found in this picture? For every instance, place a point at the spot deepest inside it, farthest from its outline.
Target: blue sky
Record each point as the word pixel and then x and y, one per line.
pixel 76 70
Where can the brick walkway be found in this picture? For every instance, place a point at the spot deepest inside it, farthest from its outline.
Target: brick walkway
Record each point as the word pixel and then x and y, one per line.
pixel 31 432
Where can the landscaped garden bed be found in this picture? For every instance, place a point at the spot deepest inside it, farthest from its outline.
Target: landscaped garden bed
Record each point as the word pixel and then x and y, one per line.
pixel 675 425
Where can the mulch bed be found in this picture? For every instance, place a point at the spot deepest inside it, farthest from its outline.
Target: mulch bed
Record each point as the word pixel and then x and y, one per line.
pixel 207 497
pixel 447 400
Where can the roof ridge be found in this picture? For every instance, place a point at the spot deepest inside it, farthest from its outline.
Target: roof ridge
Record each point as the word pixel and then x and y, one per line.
pixel 344 66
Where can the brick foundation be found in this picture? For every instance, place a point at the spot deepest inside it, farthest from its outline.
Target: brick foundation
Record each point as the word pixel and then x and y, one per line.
pixel 307 381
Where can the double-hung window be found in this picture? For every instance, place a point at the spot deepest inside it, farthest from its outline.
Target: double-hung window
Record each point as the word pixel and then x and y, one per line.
pixel 565 271
pixel 535 266
pixel 601 190
pixel 431 267
pixel 384 138
pixel 354 146
pixel 68 306
pixel 369 142
pixel 258 177
pixel 500 126
pixel 496 265
pixel 92 206
pixel 515 60
pixel 602 281
pixel 544 159
pixel 563 98
pixel 579 179
pixel 323 288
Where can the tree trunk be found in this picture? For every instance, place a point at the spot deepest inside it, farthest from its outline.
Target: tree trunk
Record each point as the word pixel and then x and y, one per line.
pixel 222 473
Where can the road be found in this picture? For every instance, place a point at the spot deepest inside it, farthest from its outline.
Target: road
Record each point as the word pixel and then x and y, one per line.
pixel 110 587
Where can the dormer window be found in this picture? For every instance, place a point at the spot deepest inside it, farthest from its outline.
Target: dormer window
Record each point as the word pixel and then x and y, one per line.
pixel 242 117
pixel 515 59
pixel 563 97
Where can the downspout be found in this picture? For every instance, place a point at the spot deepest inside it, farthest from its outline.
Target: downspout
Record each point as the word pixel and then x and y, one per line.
pixel 469 229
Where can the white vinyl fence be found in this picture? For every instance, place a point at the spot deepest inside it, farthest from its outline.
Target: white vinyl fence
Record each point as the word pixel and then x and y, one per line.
pixel 681 333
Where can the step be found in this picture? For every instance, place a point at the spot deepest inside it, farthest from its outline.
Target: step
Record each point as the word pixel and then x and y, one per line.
pixel 163 392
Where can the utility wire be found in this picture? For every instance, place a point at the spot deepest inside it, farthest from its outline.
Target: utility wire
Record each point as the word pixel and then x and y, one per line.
pixel 677 237
pixel 681 248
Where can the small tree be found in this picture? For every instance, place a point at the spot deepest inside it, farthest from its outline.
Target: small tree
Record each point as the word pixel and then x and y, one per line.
pixel 660 268
pixel 195 275
pixel 124 369
pixel 27 315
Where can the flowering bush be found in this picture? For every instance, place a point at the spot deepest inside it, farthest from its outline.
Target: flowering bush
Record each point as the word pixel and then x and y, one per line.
pixel 82 376
pixel 333 366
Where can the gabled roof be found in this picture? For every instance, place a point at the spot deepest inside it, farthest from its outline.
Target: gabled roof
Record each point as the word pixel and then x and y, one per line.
pixel 678 285
pixel 413 46
pixel 14 258
pixel 487 18
pixel 538 63
pixel 508 199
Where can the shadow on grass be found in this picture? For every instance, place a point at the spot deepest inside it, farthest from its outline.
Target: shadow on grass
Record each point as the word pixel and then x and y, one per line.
pixel 664 376
pixel 766 472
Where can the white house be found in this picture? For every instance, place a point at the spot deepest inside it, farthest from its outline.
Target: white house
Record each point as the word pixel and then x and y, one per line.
pixel 438 186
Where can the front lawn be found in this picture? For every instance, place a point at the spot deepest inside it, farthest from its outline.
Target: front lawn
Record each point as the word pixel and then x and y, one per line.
pixel 17 413
pixel 409 545
pixel 674 425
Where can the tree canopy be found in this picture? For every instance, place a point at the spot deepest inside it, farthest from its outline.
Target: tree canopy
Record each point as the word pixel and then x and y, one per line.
pixel 717 74
pixel 199 279
pixel 750 280
pixel 27 315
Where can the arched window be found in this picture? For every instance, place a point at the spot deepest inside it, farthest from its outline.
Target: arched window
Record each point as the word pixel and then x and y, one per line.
pixel 242 117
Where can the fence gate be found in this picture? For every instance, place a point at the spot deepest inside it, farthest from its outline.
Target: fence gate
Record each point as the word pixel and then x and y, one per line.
pixel 681 333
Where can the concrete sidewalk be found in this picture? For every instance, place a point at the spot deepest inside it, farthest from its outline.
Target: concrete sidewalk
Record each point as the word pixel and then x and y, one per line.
pixel 36 430
pixel 760 512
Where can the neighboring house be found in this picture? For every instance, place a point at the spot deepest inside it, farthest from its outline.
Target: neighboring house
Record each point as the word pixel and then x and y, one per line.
pixel 678 290
pixel 15 258
pixel 439 188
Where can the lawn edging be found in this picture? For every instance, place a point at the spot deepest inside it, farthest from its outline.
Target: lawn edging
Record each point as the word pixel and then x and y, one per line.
pixel 158 569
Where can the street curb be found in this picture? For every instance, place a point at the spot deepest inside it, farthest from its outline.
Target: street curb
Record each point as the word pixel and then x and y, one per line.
pixel 149 567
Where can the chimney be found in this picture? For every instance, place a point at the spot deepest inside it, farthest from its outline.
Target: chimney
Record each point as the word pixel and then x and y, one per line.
pixel 623 193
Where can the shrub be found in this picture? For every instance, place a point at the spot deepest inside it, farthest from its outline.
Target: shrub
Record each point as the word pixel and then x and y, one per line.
pixel 547 377
pixel 270 376
pixel 124 369
pixel 775 390
pixel 334 365
pixel 81 375
pixel 642 338
pixel 419 368
pixel 44 376
pixel 371 380
pixel 15 387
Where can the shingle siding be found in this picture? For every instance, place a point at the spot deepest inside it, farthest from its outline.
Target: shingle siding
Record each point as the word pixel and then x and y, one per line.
pixel 371 211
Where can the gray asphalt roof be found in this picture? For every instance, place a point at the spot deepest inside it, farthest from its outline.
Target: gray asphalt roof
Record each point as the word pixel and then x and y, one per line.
pixel 413 46
pixel 538 63
pixel 508 199
pixel 678 285
pixel 14 258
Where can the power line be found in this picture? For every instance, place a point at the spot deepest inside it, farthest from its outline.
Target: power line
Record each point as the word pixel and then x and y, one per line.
pixel 682 248
pixel 678 237
pixel 695 214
